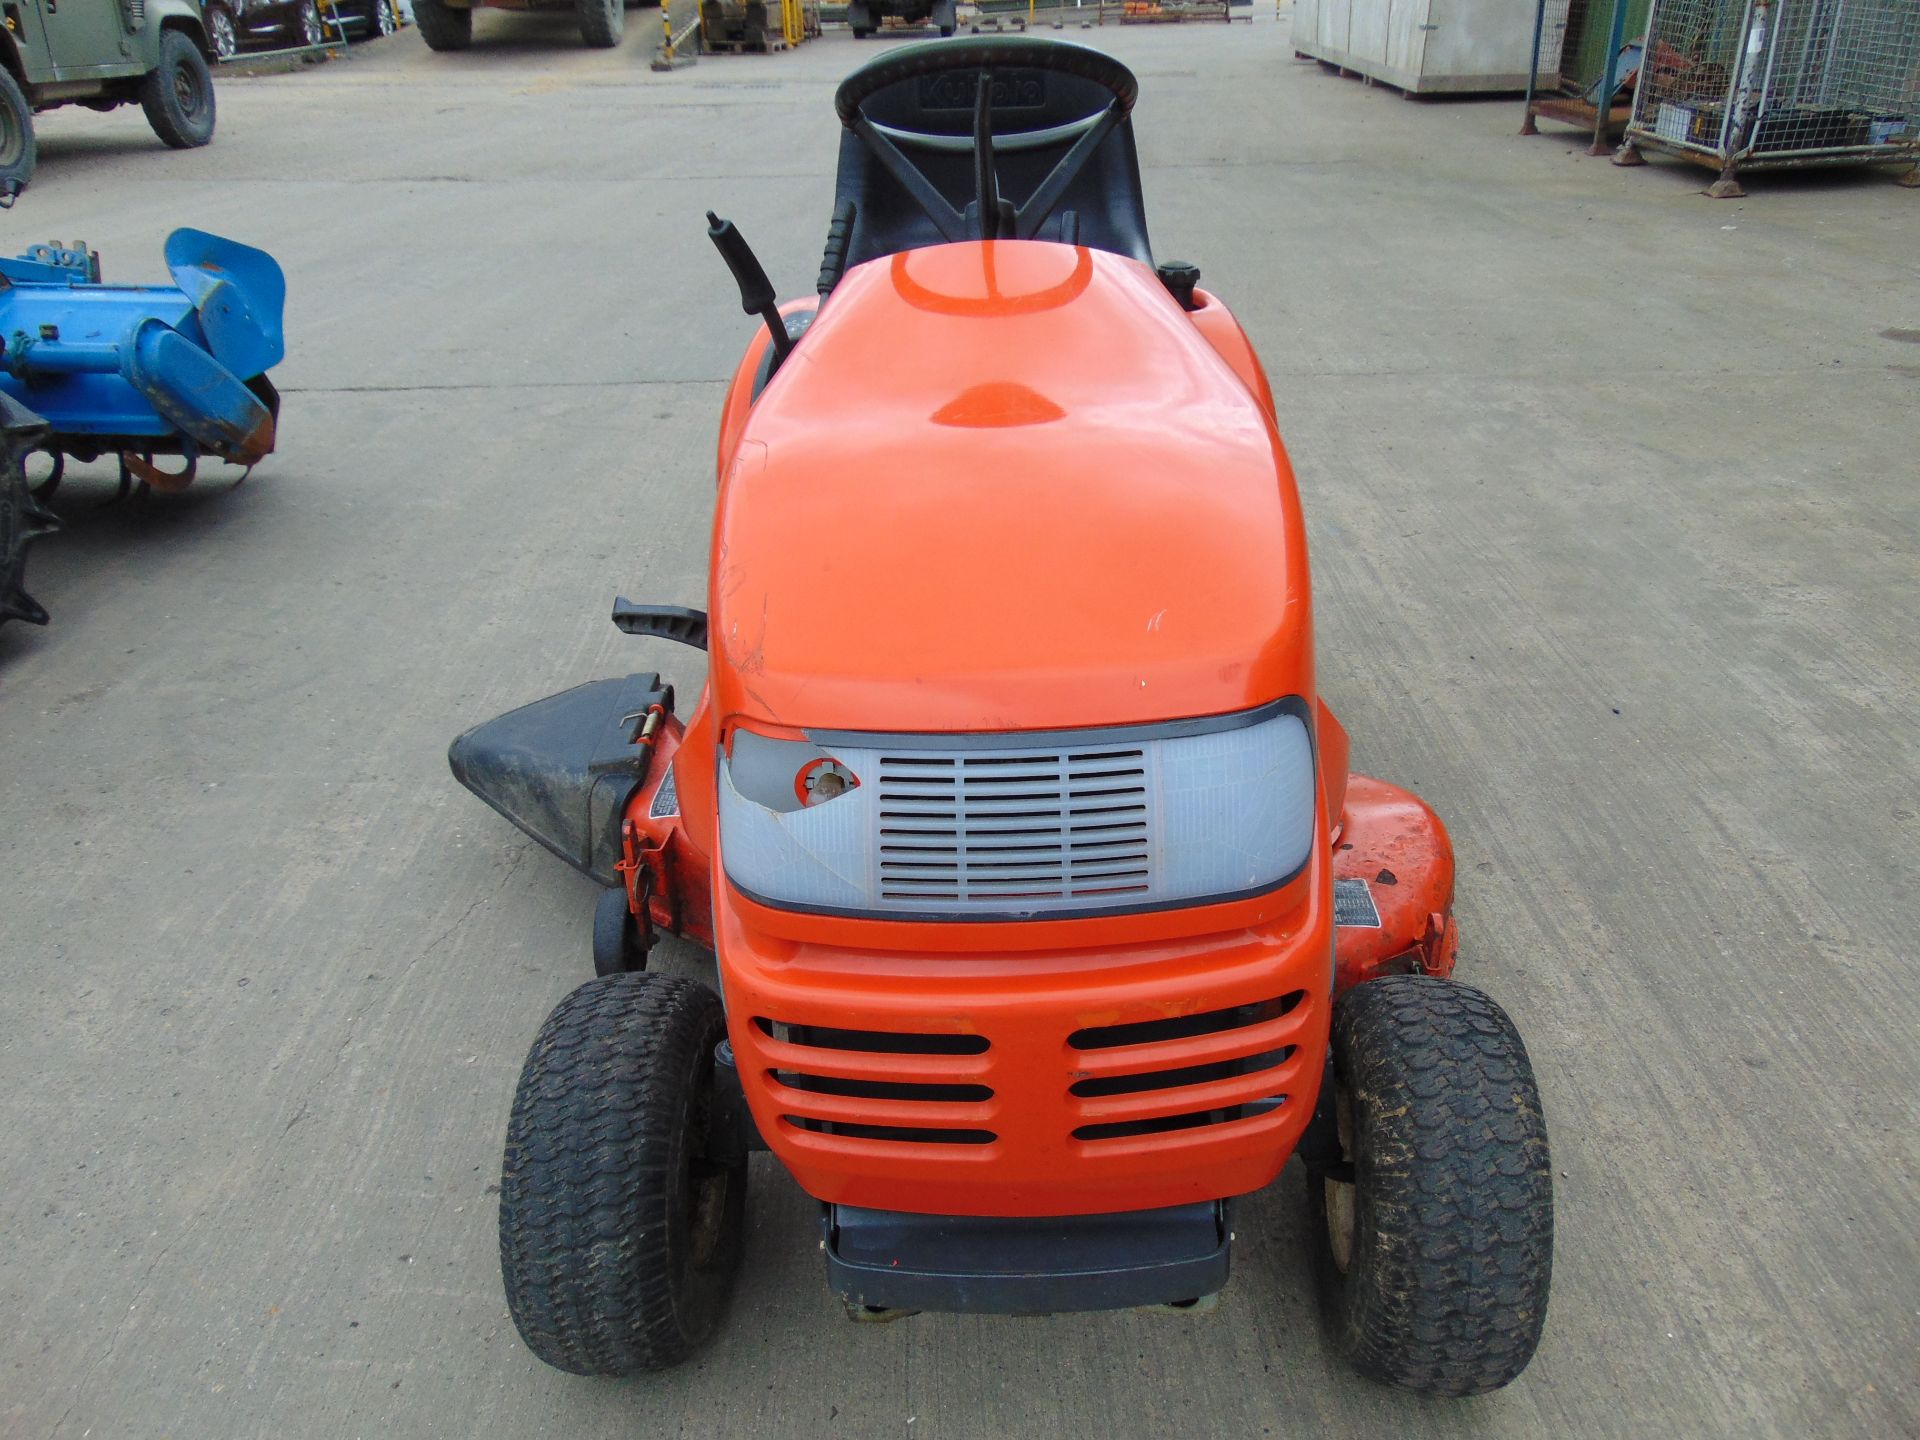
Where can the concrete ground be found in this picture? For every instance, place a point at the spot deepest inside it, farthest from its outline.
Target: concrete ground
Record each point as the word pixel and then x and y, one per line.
pixel 1612 491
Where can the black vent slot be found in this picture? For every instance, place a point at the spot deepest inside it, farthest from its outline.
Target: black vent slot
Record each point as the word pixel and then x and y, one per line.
pixel 872 1042
pixel 1104 1085
pixel 902 1133
pixel 880 1089
pixel 1184 1027
pixel 1167 1124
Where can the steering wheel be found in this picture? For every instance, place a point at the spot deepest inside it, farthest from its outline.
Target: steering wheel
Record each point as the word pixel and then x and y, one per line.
pixel 997 219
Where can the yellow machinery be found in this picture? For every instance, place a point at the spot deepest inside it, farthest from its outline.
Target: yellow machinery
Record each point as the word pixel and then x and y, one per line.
pixel 757 25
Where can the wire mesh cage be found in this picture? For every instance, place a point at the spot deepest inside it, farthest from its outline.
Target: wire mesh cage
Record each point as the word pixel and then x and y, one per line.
pixel 1741 84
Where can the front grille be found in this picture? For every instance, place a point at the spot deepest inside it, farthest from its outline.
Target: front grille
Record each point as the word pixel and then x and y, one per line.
pixel 900 1087
pixel 1171 1082
pixel 1184 1072
pixel 961 830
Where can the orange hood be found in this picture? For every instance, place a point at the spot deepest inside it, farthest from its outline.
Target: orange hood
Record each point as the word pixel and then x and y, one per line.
pixel 1005 486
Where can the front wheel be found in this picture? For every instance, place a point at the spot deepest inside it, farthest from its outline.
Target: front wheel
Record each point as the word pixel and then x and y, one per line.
pixel 443 26
pixel 1437 1225
pixel 177 94
pixel 619 1239
pixel 602 22
pixel 382 19
pixel 222 33
pixel 307 21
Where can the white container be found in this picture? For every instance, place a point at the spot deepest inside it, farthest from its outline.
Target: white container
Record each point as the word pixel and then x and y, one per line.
pixel 1424 47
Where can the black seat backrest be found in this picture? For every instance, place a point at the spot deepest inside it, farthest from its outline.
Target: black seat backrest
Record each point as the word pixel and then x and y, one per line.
pixel 1101 208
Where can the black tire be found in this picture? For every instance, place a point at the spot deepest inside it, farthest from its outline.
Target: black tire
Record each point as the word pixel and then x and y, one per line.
pixel 860 20
pixel 306 24
pixel 1436 1248
pixel 17 149
pixel 222 34
pixel 22 521
pixel 443 26
pixel 602 22
pixel 618 1241
pixel 382 19
pixel 177 94
pixel 617 946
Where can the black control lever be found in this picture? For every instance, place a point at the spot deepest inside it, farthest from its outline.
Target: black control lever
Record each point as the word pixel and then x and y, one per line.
pixel 756 291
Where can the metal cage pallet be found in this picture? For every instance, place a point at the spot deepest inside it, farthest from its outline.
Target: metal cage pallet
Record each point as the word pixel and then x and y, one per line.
pixel 1577 61
pixel 1752 84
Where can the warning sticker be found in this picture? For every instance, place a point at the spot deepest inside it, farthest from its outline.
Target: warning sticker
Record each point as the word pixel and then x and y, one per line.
pixel 1353 905
pixel 666 800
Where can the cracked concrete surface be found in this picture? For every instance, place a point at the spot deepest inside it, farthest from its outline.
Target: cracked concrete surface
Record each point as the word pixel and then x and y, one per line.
pixel 1613 505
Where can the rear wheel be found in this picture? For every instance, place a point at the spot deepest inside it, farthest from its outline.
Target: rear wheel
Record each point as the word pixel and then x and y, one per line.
pixel 382 19
pixel 177 94
pixel 617 943
pixel 1438 1223
pixel 619 1239
pixel 17 151
pixel 221 32
pixel 602 22
pixel 21 522
pixel 443 26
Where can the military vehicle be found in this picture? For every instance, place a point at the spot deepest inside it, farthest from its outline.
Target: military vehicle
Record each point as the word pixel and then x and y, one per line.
pixel 101 53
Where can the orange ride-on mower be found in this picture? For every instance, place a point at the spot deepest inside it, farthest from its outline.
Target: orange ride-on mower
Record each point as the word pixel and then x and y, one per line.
pixel 1048 920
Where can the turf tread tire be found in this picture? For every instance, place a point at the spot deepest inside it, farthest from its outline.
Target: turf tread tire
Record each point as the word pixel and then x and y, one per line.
pixel 443 26
pixel 1446 1292
pixel 596 1220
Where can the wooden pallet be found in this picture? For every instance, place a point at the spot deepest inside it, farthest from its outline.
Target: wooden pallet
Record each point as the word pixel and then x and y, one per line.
pixel 761 44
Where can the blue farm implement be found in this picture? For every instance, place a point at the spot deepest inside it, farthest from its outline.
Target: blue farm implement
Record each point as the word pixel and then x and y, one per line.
pixel 133 371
